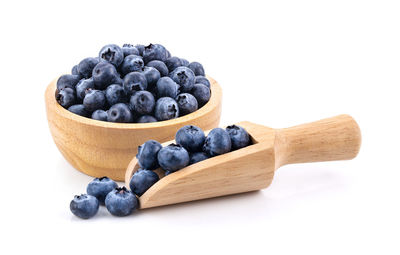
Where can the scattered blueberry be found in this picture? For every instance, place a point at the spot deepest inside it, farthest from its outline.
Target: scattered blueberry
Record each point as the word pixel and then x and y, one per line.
pixel 147 154
pixel 197 157
pixel 172 63
pixel 115 94
pixel 142 180
pixel 65 97
pixel 100 187
pixel 79 109
pixel 121 202
pixel 173 157
pixel 85 67
pixel 142 102
pixel 104 74
pixel 187 103
pixel 191 138
pixel 202 80
pixel 146 119
pixel 68 81
pixel 197 68
pixel 82 86
pixel 239 136
pixel 94 100
pixel 160 66
pixel 84 206
pixel 184 77
pixel 100 115
pixel 119 113
pixel 154 52
pixel 132 63
pixel 129 49
pixel 166 87
pixel 112 53
pixel 133 82
pixel 202 93
pixel 152 76
pixel 166 109
pixel 217 142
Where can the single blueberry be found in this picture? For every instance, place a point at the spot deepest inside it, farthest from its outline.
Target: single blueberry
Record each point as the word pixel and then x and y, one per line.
pixel 129 49
pixel 166 87
pixel 173 157
pixel 142 102
pixel 85 67
pixel 121 202
pixel 68 81
pixel 184 62
pixel 197 68
pixel 100 187
pixel 115 94
pixel 154 52
pixel 119 113
pixel 132 63
pixel 100 115
pixel 172 63
pixel 191 138
pixel 79 109
pixel 65 97
pixel 202 80
pixel 239 136
pixel 166 109
pixel 146 119
pixel 112 53
pixel 160 66
pixel 140 48
pixel 104 74
pixel 84 206
pixel 202 93
pixel 187 103
pixel 94 100
pixel 152 76
pixel 142 180
pixel 133 82
pixel 82 86
pixel 74 70
pixel 184 77
pixel 217 142
pixel 147 154
pixel 197 157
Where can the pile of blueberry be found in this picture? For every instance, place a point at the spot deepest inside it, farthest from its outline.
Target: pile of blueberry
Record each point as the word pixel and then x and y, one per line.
pixel 134 84
pixel 191 146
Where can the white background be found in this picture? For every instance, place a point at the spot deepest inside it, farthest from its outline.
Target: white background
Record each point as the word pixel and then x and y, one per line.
pixel 280 63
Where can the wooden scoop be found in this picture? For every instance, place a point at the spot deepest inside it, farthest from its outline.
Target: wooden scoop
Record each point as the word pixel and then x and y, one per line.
pixel 252 168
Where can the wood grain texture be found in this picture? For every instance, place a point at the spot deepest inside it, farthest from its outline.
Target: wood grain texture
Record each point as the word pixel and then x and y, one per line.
pixel 100 148
pixel 253 167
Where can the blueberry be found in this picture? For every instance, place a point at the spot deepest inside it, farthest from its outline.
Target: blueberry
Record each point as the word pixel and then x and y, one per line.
pixel 239 136
pixel 121 202
pixel 184 62
pixel 154 52
pixel 197 157
pixel 74 70
pixel 142 102
pixel 140 48
pixel 68 81
pixel 197 68
pixel 100 187
pixel 147 154
pixel 84 206
pixel 112 53
pixel 142 180
pixel 99 115
pixel 104 74
pixel 82 86
pixel 129 49
pixel 202 93
pixel 115 94
pixel 133 82
pixel 168 54
pixel 166 87
pixel 146 119
pixel 187 103
pixel 184 77
pixel 85 67
pixel 132 63
pixel 119 113
pixel 79 109
pixel 166 109
pixel 173 157
pixel 160 66
pixel 94 100
pixel 65 97
pixel 172 63
pixel 191 138
pixel 217 142
pixel 152 76
pixel 202 80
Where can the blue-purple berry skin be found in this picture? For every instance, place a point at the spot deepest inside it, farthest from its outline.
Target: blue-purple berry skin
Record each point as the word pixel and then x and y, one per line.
pixel 133 82
pixel 142 180
pixel 142 102
pixel 160 66
pixel 119 113
pixel 202 80
pixel 217 142
pixel 84 206
pixel 184 77
pixel 115 94
pixel 94 100
pixel 100 187
pixel 166 87
pixel 152 76
pixel 173 157
pixel 166 109
pixel 79 109
pixel 112 53
pixel 66 97
pixel 146 119
pixel 129 49
pixel 86 66
pixel 197 68
pixel 147 154
pixel 154 52
pixel 197 157
pixel 100 115
pixel 132 63
pixel 239 136
pixel 191 138
pixel 187 103
pixel 68 81
pixel 105 74
pixel 172 63
pixel 121 202
pixel 202 93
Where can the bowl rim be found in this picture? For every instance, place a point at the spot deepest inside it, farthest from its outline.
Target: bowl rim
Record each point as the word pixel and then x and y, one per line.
pixel 215 100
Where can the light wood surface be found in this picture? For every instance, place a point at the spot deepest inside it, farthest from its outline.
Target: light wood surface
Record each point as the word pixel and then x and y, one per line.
pixel 252 168
pixel 100 148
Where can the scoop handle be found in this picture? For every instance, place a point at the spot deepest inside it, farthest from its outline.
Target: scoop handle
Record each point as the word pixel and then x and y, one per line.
pixel 336 138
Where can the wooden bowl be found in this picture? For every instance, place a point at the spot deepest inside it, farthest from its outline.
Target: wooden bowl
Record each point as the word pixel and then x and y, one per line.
pixel 99 148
